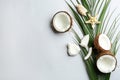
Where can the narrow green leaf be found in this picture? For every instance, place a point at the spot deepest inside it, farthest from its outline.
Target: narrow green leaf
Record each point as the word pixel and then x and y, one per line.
pixel 76 36
pixel 77 1
pixel 86 4
pixel 81 23
pixel 90 67
pixel 107 20
pixel 103 14
pixel 96 4
pixel 101 8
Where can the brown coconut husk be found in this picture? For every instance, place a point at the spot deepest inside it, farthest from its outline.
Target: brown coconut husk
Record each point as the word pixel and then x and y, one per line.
pixel 104 53
pixel 97 46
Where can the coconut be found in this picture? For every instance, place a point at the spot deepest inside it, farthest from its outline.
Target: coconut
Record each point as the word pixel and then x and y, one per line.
pixel 81 9
pixel 89 54
pixel 73 49
pixel 106 62
pixel 62 21
pixel 102 43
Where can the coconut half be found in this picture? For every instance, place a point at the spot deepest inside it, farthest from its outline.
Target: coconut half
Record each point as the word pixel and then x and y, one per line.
pixel 62 21
pixel 106 63
pixel 102 43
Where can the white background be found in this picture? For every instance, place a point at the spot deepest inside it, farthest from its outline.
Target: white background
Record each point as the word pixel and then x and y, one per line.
pixel 30 50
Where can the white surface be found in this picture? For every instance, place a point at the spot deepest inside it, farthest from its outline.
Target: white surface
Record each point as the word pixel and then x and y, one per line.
pixel 29 50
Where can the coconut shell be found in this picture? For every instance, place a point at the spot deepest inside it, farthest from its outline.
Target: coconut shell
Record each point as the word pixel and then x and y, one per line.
pixel 106 53
pixel 70 23
pixel 97 46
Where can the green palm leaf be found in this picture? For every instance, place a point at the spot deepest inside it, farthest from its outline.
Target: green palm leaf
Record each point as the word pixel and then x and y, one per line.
pixel 102 15
pixel 89 63
pixel 96 7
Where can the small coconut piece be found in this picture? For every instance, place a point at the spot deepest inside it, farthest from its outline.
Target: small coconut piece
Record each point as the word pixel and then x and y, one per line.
pixel 81 9
pixel 102 43
pixel 106 62
pixel 62 21
pixel 85 41
pixel 89 53
pixel 73 49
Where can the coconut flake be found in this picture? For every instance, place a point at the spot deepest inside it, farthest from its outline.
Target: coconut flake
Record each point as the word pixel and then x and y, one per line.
pixel 85 41
pixel 73 49
pixel 106 63
pixel 104 42
pixel 62 21
pixel 89 53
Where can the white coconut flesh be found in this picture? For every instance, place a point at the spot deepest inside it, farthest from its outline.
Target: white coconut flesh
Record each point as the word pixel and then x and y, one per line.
pixel 89 54
pixel 85 41
pixel 73 49
pixel 106 63
pixel 104 42
pixel 62 21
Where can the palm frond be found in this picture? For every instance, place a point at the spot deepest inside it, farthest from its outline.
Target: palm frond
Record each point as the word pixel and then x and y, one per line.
pixel 96 7
pixel 114 45
pixel 102 15
pixel 81 22
pixel 86 4
pixel 76 36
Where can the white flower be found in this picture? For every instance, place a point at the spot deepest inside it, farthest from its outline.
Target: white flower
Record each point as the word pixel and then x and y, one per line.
pixel 89 53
